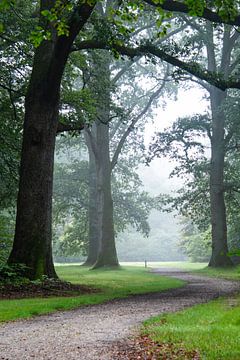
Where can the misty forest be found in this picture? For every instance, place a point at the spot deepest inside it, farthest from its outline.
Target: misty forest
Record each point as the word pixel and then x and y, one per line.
pixel 119 176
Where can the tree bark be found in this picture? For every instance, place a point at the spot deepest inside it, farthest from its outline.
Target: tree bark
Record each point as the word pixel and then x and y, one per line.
pixel 33 242
pixel 219 256
pixel 94 229
pixel 98 142
pixel 107 253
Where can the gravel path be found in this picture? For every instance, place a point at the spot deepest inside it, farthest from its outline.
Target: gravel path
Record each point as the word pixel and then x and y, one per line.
pixel 87 333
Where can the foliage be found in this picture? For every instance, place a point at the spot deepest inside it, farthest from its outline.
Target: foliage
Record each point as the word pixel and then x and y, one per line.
pixel 78 104
pixel 6 235
pixel 131 204
pixel 160 245
pixel 196 245
pixel 56 18
pixel 185 142
pixel 70 201
pixel 12 274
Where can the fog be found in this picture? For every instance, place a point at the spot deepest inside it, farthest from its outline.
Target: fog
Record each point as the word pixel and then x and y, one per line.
pixel 162 243
pixel 164 237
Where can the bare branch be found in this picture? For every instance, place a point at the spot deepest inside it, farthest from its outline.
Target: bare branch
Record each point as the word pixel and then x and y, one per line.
pixel 133 123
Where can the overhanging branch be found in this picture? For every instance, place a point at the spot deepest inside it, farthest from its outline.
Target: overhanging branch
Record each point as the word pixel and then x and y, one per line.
pixel 148 49
pixel 176 6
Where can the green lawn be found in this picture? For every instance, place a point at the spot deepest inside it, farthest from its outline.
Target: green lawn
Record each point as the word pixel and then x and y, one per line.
pixel 213 329
pixel 184 265
pixel 228 273
pixel 113 284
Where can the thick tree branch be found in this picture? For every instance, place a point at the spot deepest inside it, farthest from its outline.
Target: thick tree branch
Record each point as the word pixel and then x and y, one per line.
pixel 176 6
pixel 160 41
pixel 69 127
pixel 148 49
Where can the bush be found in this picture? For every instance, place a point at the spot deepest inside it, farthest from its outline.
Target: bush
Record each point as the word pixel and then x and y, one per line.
pixel 13 273
pixel 6 236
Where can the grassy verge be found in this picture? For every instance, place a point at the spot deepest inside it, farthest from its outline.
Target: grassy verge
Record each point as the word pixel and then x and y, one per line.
pixel 113 284
pixel 211 329
pixel 227 273
pixel 182 265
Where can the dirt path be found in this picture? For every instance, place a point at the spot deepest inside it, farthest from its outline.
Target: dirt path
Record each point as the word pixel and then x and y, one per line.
pixel 88 333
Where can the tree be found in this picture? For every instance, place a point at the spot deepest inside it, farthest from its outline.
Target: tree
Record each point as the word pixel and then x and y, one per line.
pixel 99 137
pixel 195 244
pixel 32 242
pixel 222 63
pixel 111 120
pixel 71 182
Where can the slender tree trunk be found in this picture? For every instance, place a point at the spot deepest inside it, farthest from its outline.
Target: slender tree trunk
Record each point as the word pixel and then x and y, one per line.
pixel 219 256
pixel 94 229
pixel 98 143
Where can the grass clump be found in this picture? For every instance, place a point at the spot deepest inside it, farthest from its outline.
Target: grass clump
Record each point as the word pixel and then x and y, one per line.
pixel 213 329
pixel 112 284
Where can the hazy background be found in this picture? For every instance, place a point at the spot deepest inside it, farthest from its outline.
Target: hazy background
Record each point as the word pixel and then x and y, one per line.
pixel 162 243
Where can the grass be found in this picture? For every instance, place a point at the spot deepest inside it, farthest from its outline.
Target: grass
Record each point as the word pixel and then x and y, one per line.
pixel 213 329
pixel 184 265
pixel 113 284
pixel 225 273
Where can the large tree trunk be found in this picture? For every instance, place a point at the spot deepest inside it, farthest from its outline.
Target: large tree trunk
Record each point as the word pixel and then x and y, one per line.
pixel 107 253
pixel 219 256
pixel 102 249
pixel 32 241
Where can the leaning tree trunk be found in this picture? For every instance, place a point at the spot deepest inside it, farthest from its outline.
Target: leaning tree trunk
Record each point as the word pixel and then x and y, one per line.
pixel 107 253
pixel 33 242
pixel 219 256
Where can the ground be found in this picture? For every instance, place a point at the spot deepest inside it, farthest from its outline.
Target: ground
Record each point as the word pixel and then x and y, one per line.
pixel 46 288
pixel 105 331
